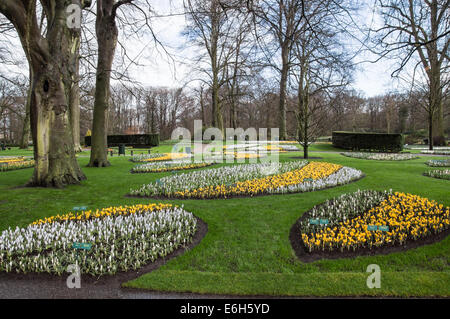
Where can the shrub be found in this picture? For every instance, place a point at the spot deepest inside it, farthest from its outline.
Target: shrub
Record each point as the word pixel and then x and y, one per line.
pixel 368 141
pixel 439 141
pixel 135 140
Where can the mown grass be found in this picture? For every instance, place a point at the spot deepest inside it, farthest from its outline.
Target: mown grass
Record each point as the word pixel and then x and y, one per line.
pixel 247 249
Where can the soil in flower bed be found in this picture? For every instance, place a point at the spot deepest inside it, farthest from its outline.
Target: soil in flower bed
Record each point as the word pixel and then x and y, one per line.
pixel 106 286
pixel 295 238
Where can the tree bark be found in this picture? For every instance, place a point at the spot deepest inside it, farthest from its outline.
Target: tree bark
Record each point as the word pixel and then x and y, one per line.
pixel 283 85
pixel 55 161
pixel 49 58
pixel 107 34
pixel 74 93
pixel 430 131
pixel 26 121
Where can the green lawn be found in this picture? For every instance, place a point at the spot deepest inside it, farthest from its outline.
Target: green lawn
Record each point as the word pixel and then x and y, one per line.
pixel 247 249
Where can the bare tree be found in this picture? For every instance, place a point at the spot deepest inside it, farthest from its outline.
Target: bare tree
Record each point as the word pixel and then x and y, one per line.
pixel 320 64
pixel 213 26
pixel 281 21
pixel 135 17
pixel 418 31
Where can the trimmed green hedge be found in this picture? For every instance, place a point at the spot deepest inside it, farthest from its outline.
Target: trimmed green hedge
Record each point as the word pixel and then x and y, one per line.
pixel 135 140
pixel 368 141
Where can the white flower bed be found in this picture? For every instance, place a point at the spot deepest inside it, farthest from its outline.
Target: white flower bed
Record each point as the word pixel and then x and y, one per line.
pixel 339 209
pixel 214 176
pixel 144 157
pixel 119 243
pixel 436 152
pixel 438 163
pixel 411 147
pixel 290 148
pixel 437 173
pixel 168 166
pixel 380 156
pixel 343 176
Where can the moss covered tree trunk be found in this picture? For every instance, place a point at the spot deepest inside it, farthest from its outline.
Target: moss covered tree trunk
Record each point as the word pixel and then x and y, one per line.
pixel 49 58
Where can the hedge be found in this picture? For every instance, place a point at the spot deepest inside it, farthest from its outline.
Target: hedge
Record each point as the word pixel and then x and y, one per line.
pixel 383 142
pixel 135 140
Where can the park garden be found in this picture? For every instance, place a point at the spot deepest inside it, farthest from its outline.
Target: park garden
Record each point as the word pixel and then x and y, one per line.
pixel 294 227
pixel 275 148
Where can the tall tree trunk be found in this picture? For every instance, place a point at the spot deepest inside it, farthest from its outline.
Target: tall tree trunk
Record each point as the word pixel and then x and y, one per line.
pixel 55 161
pixel 107 35
pixel 216 109
pixel 74 97
pixel 26 121
pixel 202 106
pixel 440 119
pixel 430 130
pixel 283 86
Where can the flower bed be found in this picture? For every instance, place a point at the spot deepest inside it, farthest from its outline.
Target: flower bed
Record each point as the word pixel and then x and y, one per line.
pixel 436 152
pixel 289 148
pixel 122 238
pixel 438 163
pixel 250 180
pixel 380 156
pixel 437 173
pixel 158 167
pixel 159 157
pixel 242 155
pixel 13 163
pixel 370 220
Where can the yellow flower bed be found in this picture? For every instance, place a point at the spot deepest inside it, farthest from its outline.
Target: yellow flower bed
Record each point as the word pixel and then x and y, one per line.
pixel 167 157
pixel 12 160
pixel 407 216
pixel 275 148
pixel 104 212
pixel 8 164
pixel 313 171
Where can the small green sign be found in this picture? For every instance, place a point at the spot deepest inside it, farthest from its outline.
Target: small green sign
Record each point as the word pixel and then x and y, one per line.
pixel 372 227
pixel 85 246
pixel 77 208
pixel 314 221
pixel 383 228
pixel 324 222
pixel 308 180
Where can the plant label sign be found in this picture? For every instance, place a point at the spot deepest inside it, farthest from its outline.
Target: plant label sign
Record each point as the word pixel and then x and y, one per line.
pixel 372 227
pixel 78 208
pixel 383 228
pixel 84 246
pixel 314 222
pixel 323 221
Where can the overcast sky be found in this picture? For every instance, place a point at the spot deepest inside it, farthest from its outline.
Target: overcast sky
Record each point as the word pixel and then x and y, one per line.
pixel 371 78
pixel 159 70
